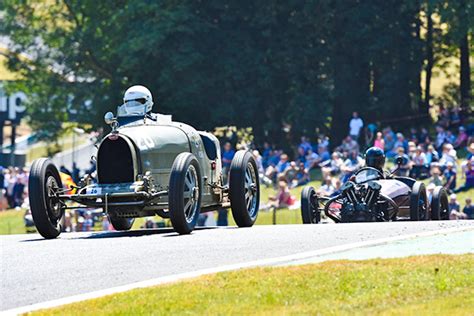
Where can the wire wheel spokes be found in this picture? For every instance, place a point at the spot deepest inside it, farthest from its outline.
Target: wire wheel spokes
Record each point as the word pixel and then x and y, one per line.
pixel 250 190
pixel 53 203
pixel 191 194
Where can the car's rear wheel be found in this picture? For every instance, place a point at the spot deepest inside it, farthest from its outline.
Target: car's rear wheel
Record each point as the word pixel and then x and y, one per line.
pixel 418 202
pixel 440 204
pixel 185 193
pixel 122 223
pixel 47 210
pixel 244 189
pixel 309 206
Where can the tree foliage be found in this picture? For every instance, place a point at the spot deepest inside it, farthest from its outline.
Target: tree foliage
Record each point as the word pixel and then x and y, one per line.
pixel 296 63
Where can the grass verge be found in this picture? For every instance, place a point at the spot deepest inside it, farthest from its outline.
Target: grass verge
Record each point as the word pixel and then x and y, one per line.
pixel 11 222
pixel 433 285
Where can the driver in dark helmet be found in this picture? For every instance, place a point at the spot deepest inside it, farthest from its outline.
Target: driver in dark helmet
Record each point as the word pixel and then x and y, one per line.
pixel 375 158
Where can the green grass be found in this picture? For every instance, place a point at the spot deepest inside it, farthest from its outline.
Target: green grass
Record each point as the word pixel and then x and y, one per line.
pixel 423 285
pixel 11 222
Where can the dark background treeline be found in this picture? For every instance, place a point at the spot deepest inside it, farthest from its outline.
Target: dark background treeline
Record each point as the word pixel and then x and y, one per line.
pixel 264 64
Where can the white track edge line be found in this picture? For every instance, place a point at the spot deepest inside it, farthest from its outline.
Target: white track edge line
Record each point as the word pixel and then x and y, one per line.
pixel 225 268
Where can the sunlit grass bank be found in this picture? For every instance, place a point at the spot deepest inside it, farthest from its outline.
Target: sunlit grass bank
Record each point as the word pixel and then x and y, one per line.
pixel 423 285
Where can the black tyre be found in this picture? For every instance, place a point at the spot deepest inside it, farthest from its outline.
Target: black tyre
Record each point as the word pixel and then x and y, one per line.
pixel 244 189
pixel 121 223
pixel 440 204
pixel 309 206
pixel 418 203
pixel 47 210
pixel 185 193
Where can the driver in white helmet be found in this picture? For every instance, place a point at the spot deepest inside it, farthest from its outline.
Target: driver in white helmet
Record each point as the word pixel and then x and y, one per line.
pixel 137 101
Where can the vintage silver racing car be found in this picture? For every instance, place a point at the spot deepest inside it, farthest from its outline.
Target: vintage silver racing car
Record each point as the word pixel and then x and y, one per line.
pixel 149 165
pixel 373 197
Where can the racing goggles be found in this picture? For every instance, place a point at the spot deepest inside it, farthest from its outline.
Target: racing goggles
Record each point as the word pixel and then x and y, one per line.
pixel 135 102
pixel 135 106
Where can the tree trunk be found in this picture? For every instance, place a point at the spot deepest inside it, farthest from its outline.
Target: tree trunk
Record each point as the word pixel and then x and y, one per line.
pixel 430 62
pixel 465 84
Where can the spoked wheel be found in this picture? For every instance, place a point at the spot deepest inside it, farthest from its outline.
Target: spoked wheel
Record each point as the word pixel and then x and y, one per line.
pixel 184 193
pixel 440 204
pixel 244 189
pixel 418 203
pixel 121 223
pixel 309 206
pixel 47 210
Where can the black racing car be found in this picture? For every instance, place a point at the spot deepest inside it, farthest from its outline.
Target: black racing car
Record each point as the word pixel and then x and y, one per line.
pixel 372 196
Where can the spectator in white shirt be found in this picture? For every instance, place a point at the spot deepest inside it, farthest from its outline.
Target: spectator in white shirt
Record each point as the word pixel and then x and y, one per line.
pixel 355 126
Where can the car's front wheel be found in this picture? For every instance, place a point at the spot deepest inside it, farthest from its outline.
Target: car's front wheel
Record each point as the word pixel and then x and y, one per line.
pixel 185 193
pixel 244 189
pixel 43 186
pixel 309 206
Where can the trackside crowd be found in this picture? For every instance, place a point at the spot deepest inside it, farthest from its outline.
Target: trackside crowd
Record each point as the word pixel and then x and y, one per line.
pixel 444 156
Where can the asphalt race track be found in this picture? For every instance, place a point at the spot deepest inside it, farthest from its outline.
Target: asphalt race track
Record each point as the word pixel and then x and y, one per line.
pixel 34 270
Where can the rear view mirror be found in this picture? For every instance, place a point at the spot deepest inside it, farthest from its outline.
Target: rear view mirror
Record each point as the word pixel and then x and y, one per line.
pixel 400 160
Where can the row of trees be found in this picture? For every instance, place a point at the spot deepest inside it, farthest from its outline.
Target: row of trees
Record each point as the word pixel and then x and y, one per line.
pixel 297 63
